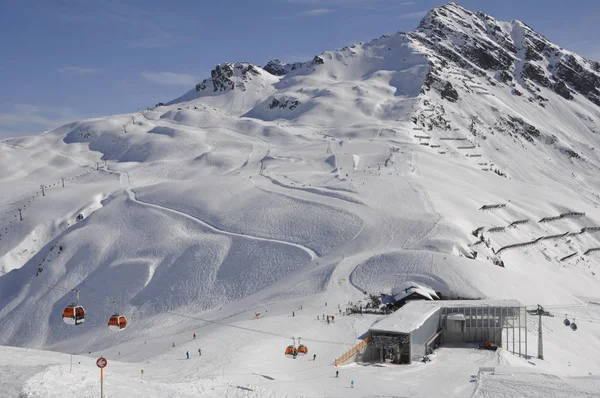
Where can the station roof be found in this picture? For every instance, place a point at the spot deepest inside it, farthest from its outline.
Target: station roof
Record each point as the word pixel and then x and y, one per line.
pixel 412 315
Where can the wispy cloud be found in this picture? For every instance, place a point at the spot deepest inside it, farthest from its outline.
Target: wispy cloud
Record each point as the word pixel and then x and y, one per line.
pixel 413 15
pixel 158 41
pixel 170 78
pixel 316 12
pixel 337 2
pixel 152 29
pixel 25 119
pixel 77 70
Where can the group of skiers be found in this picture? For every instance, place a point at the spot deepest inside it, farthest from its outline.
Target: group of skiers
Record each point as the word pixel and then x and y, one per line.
pixel 330 318
pixel 187 353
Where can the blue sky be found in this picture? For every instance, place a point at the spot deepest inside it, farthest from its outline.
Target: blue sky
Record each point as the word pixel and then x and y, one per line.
pixel 64 60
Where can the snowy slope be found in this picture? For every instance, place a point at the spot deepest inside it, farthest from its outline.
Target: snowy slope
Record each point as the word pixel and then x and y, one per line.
pixel 295 185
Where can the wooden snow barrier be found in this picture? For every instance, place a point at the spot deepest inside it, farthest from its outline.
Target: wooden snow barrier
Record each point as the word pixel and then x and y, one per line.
pixel 571 214
pixel 568 256
pixel 518 222
pixel 550 219
pixel 425 137
pixel 466 147
pixel 351 352
pixel 453 139
pixel 474 155
pixel 593 249
pixel 496 229
pixel 557 236
pixel 489 207
pixel 515 245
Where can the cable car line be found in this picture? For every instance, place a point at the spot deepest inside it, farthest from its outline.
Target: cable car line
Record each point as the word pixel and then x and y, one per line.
pixel 58 287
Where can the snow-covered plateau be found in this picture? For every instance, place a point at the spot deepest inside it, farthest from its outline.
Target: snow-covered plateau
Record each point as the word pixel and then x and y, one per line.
pixel 460 155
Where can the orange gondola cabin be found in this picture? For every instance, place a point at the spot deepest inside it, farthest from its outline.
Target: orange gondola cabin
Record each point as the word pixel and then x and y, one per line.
pixel 73 314
pixel 302 350
pixel 291 351
pixel 117 322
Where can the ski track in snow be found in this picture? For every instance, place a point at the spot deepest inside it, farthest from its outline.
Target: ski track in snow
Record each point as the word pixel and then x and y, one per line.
pixel 132 196
pixel 350 144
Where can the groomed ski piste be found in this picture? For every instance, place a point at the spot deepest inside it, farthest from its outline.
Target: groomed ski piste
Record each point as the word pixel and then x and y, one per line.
pixel 192 217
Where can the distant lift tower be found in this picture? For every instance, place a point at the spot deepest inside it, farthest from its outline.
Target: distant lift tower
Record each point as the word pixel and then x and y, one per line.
pixel 540 311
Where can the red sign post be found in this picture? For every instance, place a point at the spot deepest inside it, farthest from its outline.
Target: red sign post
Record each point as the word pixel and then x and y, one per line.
pixel 101 363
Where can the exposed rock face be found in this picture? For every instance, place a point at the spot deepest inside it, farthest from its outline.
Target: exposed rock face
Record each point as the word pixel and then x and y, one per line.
pixel 480 44
pixel 227 76
pixel 278 68
pixel 284 103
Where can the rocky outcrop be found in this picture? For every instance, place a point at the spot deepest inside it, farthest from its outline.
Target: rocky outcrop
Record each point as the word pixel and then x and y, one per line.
pixel 480 44
pixel 278 68
pixel 283 103
pixel 227 76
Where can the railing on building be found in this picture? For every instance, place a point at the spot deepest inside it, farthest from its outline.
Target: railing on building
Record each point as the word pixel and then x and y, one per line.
pixel 351 352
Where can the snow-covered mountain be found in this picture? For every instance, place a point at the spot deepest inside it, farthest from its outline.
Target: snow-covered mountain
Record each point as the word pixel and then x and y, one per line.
pixel 460 155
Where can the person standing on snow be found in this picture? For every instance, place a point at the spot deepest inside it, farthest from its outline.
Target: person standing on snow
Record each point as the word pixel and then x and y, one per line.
pixel 314 357
pixel 199 352
pixel 352 384
pixel 194 337
pixel 337 373
pixel 187 354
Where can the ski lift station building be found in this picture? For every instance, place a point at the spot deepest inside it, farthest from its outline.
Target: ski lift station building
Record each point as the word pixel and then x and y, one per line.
pixel 417 328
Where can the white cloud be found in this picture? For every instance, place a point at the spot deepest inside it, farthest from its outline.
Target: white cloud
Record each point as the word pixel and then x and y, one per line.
pixel 170 78
pixel 25 119
pixel 413 15
pixel 316 12
pixel 77 70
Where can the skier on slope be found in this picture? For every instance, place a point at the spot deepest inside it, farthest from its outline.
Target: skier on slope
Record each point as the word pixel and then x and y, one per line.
pixel 187 354
pixel 199 352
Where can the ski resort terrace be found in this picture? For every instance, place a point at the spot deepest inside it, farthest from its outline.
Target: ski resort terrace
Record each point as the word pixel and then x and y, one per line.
pixel 420 326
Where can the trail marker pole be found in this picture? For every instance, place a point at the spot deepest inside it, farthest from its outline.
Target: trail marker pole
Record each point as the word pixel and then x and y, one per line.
pixel 20 214
pixel 71 364
pixel 101 363
pixel 63 182
pixel 142 374
pixel 42 187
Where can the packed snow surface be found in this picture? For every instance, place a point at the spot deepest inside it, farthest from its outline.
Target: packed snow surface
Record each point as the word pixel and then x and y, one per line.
pixel 460 156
